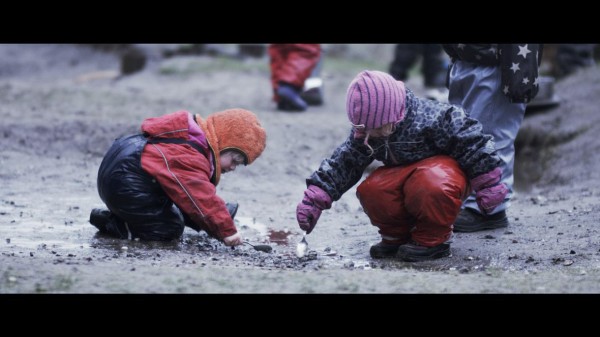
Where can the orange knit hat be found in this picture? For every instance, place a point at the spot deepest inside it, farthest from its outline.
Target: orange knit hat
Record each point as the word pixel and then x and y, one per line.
pixel 236 129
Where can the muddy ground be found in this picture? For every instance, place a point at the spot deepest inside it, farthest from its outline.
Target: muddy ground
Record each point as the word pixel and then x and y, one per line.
pixel 61 106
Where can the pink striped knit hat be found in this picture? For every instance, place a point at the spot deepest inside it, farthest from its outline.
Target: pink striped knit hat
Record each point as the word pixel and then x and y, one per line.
pixel 374 99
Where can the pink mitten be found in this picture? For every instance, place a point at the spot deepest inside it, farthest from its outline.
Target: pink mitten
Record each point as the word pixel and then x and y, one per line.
pixel 489 192
pixel 309 209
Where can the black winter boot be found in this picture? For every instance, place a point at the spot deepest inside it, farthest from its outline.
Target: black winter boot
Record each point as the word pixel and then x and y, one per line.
pixel 289 98
pixel 469 220
pixel 99 217
pixel 232 207
pixel 413 252
pixel 385 248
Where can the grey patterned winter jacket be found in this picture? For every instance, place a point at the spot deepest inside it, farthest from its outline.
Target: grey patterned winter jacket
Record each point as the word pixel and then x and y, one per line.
pixel 429 128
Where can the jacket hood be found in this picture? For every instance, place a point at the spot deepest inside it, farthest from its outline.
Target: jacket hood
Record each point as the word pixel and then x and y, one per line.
pixel 235 129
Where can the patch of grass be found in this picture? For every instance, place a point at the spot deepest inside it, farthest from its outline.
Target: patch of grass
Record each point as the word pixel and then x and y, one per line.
pixel 347 65
pixel 8 280
pixel 347 286
pixel 189 66
pixel 60 283
pixel 306 287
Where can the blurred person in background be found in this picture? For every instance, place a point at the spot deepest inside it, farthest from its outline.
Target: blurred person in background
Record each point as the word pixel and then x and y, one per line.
pixel 493 83
pixel 433 67
pixel 291 66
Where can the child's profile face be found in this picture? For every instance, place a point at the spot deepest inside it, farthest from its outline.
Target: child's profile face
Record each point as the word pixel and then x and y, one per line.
pixel 229 160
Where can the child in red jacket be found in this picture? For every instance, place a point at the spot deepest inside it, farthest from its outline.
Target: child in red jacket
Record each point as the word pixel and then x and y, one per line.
pixel 159 181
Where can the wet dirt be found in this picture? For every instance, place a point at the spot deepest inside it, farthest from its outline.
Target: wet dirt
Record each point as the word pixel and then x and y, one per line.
pixel 58 120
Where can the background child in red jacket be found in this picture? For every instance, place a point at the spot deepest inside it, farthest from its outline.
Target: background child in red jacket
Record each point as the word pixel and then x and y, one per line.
pixel 291 65
pixel 159 181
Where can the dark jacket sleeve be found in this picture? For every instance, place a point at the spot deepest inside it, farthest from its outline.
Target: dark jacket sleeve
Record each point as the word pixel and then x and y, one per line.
pixel 462 137
pixel 446 129
pixel 338 173
pixel 482 54
pixel 520 65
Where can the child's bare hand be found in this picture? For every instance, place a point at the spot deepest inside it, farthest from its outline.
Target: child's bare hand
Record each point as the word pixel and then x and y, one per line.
pixel 234 240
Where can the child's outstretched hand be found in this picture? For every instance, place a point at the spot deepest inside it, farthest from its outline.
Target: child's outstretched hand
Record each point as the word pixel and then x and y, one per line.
pixel 233 240
pixel 309 209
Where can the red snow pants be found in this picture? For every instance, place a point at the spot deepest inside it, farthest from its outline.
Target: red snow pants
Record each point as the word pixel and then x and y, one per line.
pixel 419 201
pixel 292 63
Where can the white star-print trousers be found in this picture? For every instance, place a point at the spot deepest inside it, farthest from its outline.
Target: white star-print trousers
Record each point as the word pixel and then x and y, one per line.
pixel 478 89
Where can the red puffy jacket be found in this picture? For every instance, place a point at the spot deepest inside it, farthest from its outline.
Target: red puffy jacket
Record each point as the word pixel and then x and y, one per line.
pixel 186 175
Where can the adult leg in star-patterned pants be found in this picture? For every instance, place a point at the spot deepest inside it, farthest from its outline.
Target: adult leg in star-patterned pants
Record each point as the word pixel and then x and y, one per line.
pixel 478 89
